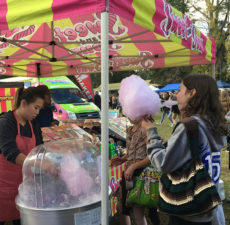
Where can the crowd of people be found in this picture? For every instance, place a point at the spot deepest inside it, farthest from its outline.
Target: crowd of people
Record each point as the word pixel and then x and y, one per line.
pixel 198 98
pixel 172 111
pixel 113 101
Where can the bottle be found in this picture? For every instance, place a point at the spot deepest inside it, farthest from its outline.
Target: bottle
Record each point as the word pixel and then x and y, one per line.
pixel 111 150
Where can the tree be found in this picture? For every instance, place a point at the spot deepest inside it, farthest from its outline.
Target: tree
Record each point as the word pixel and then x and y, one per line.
pixel 216 17
pixel 180 5
pixel 161 76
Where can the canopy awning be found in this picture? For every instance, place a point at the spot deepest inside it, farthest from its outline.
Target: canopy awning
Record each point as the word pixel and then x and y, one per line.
pixel 170 87
pixel 48 39
pixel 222 84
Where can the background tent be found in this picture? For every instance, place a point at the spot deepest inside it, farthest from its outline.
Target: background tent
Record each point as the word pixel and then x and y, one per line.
pixel 222 84
pixel 46 38
pixel 154 88
pixel 7 94
pixel 170 87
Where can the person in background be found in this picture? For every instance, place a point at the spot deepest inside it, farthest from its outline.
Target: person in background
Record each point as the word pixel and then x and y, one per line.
pixel 198 98
pixel 45 116
pixel 165 109
pixel 175 110
pixel 19 133
pixel 114 101
pixel 97 99
pixel 225 102
pixel 136 160
pixel 110 102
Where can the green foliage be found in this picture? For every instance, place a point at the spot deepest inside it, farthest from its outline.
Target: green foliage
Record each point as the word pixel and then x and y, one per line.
pixel 161 76
pixel 217 16
pixel 202 69
pixel 180 5
pixel 114 77
pixel 165 76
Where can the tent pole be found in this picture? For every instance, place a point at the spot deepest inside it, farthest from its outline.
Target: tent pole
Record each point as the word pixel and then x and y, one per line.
pixel 104 117
pixel 213 70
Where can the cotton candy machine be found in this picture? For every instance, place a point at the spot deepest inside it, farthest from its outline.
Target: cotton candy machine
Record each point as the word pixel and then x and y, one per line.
pixel 61 184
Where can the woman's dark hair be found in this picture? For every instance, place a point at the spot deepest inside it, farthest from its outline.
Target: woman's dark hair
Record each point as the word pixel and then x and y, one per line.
pixel 206 101
pixel 44 89
pixel 30 95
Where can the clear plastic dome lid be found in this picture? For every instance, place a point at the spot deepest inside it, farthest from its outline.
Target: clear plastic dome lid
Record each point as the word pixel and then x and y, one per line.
pixel 61 174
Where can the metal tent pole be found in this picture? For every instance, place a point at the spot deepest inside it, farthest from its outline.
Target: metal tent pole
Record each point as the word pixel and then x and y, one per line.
pixel 104 116
pixel 213 71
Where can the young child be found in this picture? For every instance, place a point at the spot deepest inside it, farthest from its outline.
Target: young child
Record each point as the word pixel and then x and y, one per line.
pixel 198 97
pixel 135 106
pixel 135 159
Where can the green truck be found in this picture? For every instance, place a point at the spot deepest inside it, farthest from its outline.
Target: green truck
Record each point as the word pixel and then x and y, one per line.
pixel 68 100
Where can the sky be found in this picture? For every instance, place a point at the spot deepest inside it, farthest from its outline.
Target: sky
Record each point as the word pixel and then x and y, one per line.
pixel 200 24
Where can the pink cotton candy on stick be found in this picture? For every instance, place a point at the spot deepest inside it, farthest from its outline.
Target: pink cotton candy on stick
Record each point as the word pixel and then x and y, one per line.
pixel 76 178
pixel 137 98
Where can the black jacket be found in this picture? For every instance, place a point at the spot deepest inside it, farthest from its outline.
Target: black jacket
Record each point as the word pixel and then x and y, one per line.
pixel 9 131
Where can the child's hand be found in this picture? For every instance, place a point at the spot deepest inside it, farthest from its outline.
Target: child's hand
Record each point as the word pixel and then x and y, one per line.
pixel 116 161
pixel 129 172
pixel 146 123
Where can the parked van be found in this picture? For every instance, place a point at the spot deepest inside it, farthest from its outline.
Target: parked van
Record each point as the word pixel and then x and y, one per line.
pixel 68 99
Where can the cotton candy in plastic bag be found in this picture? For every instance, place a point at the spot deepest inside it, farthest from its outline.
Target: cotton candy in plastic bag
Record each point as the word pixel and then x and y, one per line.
pixel 137 98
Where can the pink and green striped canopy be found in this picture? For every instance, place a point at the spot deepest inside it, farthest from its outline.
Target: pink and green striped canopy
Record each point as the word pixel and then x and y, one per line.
pixel 63 37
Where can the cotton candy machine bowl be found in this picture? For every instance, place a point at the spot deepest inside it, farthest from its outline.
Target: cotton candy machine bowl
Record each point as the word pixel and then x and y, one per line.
pixel 90 214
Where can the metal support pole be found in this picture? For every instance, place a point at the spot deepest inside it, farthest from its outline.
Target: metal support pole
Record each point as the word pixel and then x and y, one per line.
pixel 213 71
pixel 104 117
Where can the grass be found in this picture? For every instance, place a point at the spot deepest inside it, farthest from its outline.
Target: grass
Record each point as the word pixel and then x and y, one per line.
pixel 225 172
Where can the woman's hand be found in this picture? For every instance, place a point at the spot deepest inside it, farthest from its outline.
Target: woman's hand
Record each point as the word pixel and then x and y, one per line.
pixel 49 167
pixel 129 172
pixel 20 159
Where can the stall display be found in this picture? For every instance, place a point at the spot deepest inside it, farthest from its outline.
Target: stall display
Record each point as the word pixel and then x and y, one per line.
pixel 91 130
pixel 68 130
pixel 63 177
pixel 118 126
pixel 115 176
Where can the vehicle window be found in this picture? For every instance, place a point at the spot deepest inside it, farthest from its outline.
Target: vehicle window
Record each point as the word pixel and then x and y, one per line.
pixel 66 96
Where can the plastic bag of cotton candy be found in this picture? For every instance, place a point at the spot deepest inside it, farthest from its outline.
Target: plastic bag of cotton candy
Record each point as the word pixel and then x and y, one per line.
pixel 137 98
